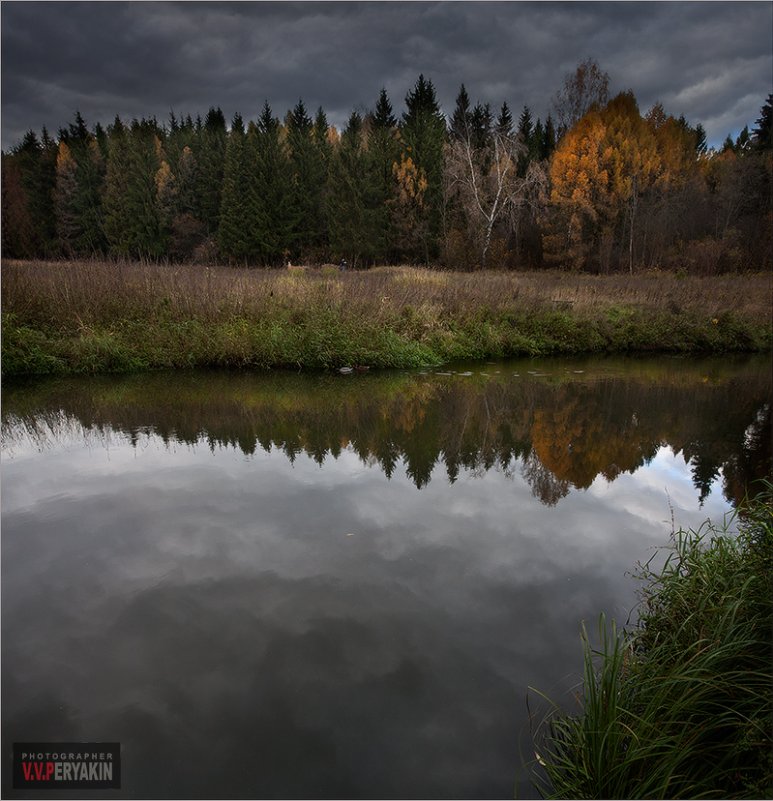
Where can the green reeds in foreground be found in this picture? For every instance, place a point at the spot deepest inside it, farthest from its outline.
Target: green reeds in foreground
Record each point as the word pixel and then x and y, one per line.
pixel 681 706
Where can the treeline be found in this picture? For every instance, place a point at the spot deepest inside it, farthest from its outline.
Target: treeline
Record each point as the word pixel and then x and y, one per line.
pixel 600 187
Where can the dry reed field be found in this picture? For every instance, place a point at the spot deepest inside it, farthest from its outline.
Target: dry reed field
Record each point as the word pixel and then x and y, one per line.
pixel 87 290
pixel 123 315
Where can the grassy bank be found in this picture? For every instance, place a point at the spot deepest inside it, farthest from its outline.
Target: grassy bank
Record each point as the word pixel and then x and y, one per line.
pixel 681 707
pixel 103 317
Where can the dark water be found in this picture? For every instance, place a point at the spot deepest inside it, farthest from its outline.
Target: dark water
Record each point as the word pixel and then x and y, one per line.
pixel 291 586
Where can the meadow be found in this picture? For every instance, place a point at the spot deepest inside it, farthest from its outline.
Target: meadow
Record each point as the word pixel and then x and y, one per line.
pixel 98 316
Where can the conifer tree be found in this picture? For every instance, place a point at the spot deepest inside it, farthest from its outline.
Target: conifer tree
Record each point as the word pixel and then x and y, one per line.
pixel 762 135
pixel 34 163
pixel 528 140
pixel 82 173
pixel 480 126
pixel 460 120
pixel 235 221
pixel 210 160
pixel 701 145
pixel 504 123
pixel 65 200
pixel 550 140
pixel 420 172
pixel 270 195
pixel 383 153
pixel 350 208
pixel 308 176
pixel 132 215
pixel 525 125
pixel 116 206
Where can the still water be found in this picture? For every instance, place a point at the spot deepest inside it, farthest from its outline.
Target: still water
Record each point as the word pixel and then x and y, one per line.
pixel 342 586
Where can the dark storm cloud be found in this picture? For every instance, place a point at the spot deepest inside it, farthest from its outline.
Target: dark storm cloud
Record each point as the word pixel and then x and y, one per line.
pixel 711 62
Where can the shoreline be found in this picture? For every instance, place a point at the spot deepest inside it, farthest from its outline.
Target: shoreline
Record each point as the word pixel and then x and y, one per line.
pixel 98 317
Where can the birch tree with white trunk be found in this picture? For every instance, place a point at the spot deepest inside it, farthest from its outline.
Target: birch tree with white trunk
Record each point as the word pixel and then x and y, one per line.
pixel 483 179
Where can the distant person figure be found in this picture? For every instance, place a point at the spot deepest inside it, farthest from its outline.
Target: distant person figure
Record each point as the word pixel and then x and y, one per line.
pixel 342 265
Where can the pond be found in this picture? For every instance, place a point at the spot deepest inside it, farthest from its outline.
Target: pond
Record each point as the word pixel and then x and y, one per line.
pixel 315 586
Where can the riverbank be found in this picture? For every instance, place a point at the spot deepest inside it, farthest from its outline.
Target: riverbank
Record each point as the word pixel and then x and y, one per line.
pixel 90 317
pixel 682 706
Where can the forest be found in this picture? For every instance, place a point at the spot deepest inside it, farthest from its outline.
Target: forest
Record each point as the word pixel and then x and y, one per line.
pixel 597 186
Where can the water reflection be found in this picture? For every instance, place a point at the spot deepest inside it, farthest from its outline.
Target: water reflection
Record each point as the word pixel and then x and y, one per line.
pixel 236 577
pixel 558 424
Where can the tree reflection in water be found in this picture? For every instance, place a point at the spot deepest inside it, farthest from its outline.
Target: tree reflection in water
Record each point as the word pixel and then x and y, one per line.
pixel 559 429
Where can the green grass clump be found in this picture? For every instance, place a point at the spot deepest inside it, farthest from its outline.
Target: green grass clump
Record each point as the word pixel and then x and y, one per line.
pixel 681 706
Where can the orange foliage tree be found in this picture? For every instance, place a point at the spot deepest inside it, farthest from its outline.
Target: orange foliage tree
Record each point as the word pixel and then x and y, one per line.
pixel 601 170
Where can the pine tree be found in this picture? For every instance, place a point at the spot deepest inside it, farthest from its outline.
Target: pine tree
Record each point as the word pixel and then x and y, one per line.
pixel 701 145
pixel 504 123
pixel 420 172
pixel 133 220
pixel 116 206
pixel 538 140
pixel 526 132
pixel 233 232
pixel 350 209
pixel 550 139
pixel 177 186
pixel 210 159
pixel 65 200
pixel 526 125
pixel 461 118
pixel 383 153
pixel 762 135
pixel 270 196
pixel 308 176
pixel 35 161
pixel 480 126
pixel 80 196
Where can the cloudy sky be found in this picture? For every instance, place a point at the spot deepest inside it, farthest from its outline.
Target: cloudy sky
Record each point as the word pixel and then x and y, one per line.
pixel 711 61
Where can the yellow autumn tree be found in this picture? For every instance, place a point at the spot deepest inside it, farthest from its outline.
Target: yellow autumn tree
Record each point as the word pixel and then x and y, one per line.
pixel 580 207
pixel 408 213
pixel 600 171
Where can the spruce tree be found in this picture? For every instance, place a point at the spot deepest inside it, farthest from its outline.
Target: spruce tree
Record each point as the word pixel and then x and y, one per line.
pixel 528 140
pixel 210 158
pixel 308 177
pixel 420 174
pixel 233 232
pixel 701 145
pixel 270 196
pixel 504 123
pixel 116 205
pixel 68 227
pixel 480 126
pixel 460 120
pixel 36 162
pixel 550 138
pixel 383 154
pixel 762 135
pixel 84 198
pixel 350 212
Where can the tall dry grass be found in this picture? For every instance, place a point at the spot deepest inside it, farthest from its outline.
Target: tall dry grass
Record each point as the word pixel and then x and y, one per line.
pixel 83 292
pixel 93 316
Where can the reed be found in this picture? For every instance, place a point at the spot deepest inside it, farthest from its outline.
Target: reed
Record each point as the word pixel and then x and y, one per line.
pixel 682 705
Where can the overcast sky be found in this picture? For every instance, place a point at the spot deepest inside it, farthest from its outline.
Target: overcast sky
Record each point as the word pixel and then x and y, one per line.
pixel 711 61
